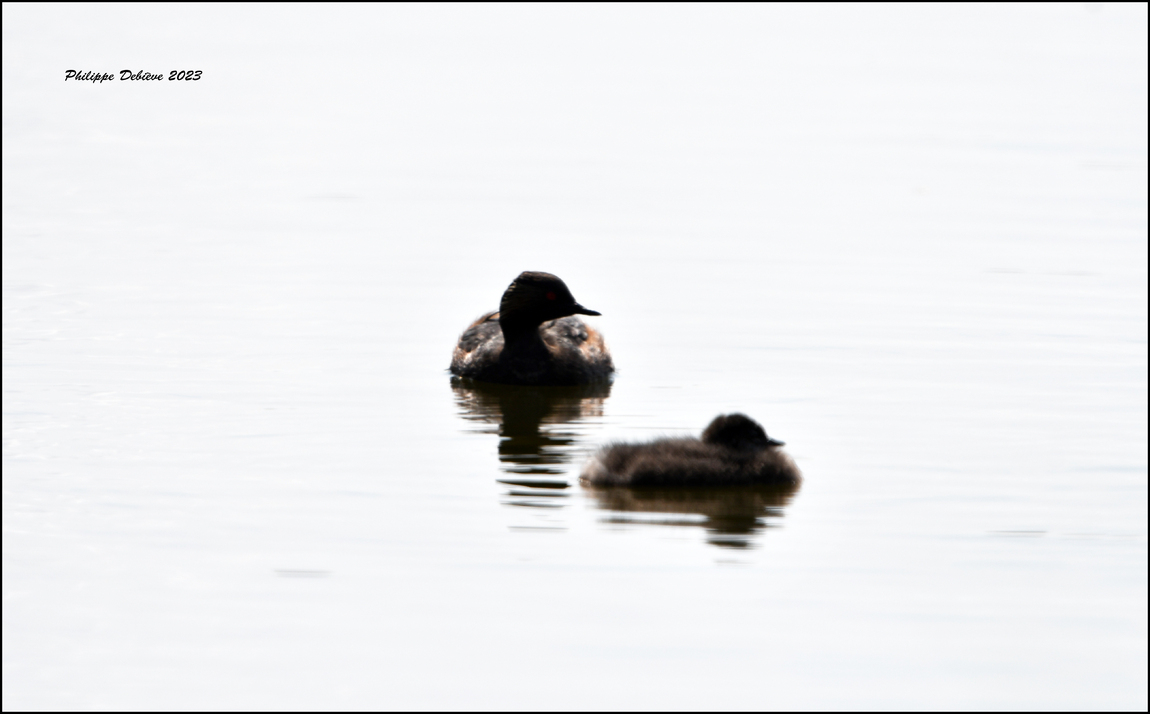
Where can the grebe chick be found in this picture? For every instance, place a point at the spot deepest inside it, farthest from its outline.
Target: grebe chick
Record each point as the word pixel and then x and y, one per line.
pixel 734 451
pixel 533 339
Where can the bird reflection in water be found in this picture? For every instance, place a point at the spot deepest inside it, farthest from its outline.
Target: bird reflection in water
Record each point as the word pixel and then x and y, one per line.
pixel 731 516
pixel 538 429
pixel 531 421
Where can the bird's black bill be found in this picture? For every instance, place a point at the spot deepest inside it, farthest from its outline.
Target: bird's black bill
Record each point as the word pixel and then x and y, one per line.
pixel 580 310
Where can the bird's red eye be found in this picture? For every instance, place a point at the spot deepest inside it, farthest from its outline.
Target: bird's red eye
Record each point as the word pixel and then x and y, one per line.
pixel 550 296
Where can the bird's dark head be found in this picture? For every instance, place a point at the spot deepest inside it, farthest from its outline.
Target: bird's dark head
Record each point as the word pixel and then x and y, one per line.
pixel 534 298
pixel 738 431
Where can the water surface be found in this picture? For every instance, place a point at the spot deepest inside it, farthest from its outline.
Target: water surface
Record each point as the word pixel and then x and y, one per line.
pixel 910 241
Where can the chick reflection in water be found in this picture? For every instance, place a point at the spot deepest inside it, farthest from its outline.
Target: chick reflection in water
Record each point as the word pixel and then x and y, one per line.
pixel 731 516
pixel 734 476
pixel 530 419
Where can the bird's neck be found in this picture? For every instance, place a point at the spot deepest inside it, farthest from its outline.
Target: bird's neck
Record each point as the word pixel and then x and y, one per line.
pixel 520 329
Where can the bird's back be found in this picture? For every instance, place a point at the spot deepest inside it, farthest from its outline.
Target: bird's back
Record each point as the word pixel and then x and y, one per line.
pixel 565 352
pixel 688 462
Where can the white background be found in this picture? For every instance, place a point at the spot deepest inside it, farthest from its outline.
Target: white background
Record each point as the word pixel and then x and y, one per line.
pixel 910 240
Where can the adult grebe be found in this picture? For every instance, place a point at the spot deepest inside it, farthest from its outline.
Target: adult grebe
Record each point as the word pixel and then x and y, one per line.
pixel 533 339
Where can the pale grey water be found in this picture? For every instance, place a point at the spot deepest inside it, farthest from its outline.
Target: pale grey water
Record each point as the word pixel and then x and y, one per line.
pixel 910 241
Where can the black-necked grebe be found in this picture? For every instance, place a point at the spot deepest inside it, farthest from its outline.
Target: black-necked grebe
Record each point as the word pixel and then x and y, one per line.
pixel 533 339
pixel 734 451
